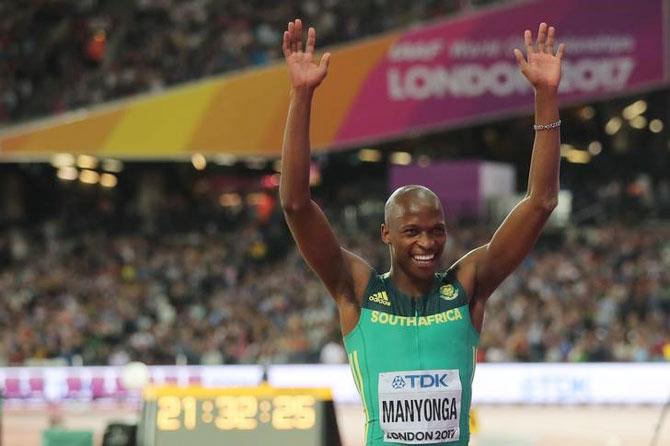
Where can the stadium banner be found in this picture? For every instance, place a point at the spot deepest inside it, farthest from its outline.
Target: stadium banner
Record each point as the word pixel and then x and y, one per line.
pixel 509 383
pixel 439 75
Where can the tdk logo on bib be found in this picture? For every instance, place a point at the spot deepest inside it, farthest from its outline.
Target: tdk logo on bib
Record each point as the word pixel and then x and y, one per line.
pixel 424 381
pixel 419 381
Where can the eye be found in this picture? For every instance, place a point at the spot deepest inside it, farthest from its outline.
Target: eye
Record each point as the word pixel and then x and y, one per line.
pixel 410 232
pixel 439 231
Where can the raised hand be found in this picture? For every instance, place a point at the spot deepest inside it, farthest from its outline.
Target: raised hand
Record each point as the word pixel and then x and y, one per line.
pixel 542 67
pixel 303 71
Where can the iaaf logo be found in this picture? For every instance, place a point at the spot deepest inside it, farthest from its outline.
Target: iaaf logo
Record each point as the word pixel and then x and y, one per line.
pixel 425 381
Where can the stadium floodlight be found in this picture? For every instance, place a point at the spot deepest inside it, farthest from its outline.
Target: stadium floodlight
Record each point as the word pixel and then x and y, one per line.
pixel 67 173
pixel 369 155
pixel 401 158
pixel 59 160
pixel 635 109
pixel 586 113
pixel 108 180
pixel 578 156
pixel 87 162
pixel 565 148
pixel 656 126
pixel 225 159
pixel 638 122
pixel 595 147
pixel 199 161
pixel 613 125
pixel 112 165
pixel 87 176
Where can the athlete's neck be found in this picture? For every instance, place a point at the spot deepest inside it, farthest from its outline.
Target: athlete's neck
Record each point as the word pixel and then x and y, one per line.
pixel 410 286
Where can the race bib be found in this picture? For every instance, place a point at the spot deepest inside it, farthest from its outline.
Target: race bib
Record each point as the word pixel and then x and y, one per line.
pixel 420 406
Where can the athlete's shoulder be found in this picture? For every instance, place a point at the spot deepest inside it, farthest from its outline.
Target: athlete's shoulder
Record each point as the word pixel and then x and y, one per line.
pixel 450 287
pixel 465 269
pixel 358 277
pixel 377 295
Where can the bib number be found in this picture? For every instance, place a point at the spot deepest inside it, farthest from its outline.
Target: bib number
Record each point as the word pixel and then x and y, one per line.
pixel 420 406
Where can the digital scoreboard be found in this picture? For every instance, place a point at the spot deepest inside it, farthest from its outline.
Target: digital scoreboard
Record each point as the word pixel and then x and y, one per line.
pixel 243 416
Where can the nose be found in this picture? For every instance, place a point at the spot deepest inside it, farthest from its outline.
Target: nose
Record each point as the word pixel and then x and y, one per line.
pixel 426 241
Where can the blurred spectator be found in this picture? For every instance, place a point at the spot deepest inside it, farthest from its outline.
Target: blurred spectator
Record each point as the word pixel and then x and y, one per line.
pixel 175 277
pixel 208 285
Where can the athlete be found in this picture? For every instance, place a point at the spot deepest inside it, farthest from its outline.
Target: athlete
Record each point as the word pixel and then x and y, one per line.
pixel 411 333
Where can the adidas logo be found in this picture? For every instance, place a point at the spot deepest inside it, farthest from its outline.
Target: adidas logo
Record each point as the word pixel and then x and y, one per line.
pixel 380 298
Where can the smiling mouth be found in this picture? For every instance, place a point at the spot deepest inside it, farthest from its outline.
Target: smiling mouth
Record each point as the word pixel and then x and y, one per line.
pixel 424 260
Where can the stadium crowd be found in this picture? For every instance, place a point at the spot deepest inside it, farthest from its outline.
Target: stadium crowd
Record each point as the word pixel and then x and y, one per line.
pixel 191 281
pixel 203 284
pixel 58 55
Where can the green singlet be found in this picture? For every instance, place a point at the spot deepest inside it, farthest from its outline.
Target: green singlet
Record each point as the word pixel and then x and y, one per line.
pixel 413 361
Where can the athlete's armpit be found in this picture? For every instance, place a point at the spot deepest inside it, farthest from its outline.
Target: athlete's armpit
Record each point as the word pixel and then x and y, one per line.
pixel 466 271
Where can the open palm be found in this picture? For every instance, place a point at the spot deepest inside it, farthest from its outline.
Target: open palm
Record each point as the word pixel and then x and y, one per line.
pixel 542 67
pixel 303 71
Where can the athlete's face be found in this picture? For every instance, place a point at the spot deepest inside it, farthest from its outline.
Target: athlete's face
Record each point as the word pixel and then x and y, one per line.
pixel 416 233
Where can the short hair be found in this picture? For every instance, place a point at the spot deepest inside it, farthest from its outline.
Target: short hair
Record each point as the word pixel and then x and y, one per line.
pixel 412 192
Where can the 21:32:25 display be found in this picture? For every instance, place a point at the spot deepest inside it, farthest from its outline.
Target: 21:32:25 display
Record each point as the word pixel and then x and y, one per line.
pixel 282 412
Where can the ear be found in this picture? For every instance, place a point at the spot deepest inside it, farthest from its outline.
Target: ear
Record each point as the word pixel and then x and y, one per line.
pixel 385 234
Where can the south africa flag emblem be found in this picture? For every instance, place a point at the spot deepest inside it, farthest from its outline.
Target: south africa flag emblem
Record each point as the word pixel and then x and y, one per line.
pixel 448 292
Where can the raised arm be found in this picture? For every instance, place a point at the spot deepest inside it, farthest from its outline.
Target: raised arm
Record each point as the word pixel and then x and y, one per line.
pixel 490 264
pixel 343 273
